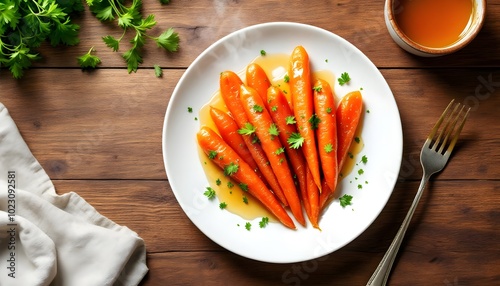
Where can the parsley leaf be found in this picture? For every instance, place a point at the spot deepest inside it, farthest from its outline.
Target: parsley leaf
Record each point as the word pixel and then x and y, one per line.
pixel 128 16
pixel 345 200
pixel 88 60
pixel 344 78
pixel 209 193
pixel 248 129
pixel 231 169
pixel 158 71
pixel 169 40
pixel 290 120
pixel 223 205
pixel 314 121
pixel 263 222
pixel 248 226
pixel 273 130
pixel 257 108
pixel 295 140
pixel 328 148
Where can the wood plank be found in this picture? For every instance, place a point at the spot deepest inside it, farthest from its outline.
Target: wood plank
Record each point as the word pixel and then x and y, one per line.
pixel 223 17
pixel 455 226
pixel 86 129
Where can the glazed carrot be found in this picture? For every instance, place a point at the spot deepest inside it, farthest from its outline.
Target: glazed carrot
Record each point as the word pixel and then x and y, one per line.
pixel 282 116
pixel 324 107
pixel 230 84
pixel 233 165
pixel 267 132
pixel 257 79
pixel 312 196
pixel 299 73
pixel 325 195
pixel 228 130
pixel 348 114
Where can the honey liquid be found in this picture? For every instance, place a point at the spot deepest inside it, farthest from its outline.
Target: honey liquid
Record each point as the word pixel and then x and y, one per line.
pixel 434 23
pixel 238 201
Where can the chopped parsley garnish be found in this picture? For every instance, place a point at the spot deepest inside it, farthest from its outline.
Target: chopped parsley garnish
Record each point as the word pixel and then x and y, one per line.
pixel 263 222
pixel 317 88
pixel 361 171
pixel 190 109
pixel 280 151
pixel 258 108
pixel 360 186
pixel 248 226
pixel 212 154
pixel 262 52
pixel 314 121
pixel 222 205
pixel 247 129
pixel 364 159
pixel 328 110
pixel 295 140
pixel 231 169
pixel 230 184
pixel 209 193
pixel 158 71
pixel 357 140
pixel 345 200
pixel 344 78
pixel 273 130
pixel 328 148
pixel 287 78
pixel 243 187
pixel 274 108
pixel 290 120
pixel 245 200
pixel 218 182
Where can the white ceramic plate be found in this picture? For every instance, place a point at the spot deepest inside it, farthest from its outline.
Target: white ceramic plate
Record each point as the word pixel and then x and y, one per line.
pixel 381 133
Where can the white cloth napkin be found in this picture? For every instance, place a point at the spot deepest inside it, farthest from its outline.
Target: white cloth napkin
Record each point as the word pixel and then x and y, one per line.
pixel 51 239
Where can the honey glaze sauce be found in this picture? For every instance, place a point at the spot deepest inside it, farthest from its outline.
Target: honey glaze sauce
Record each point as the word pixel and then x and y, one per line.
pixel 434 23
pixel 238 201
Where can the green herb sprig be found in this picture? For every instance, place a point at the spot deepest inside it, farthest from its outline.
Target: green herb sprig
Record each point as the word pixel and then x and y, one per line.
pixel 130 18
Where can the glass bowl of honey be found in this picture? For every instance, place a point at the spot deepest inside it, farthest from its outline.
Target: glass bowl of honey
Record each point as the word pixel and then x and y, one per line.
pixel 432 28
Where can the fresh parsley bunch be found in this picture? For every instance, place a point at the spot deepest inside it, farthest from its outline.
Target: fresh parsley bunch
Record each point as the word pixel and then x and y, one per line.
pixel 26 24
pixel 129 17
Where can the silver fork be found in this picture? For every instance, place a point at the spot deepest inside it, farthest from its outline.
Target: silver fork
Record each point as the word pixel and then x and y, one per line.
pixel 433 157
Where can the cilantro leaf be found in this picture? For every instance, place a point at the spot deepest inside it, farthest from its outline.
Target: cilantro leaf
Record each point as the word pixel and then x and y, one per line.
pixel 88 60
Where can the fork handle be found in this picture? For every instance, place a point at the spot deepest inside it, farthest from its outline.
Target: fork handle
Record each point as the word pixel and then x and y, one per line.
pixel 381 274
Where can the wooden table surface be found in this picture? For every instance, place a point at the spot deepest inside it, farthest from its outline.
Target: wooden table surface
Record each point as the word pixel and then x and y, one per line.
pixel 99 134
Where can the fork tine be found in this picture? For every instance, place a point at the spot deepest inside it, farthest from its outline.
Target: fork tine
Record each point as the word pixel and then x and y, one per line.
pixel 450 126
pixel 458 130
pixel 434 141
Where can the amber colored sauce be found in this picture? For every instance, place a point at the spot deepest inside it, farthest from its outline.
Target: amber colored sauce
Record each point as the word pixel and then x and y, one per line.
pixel 434 23
pixel 276 68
